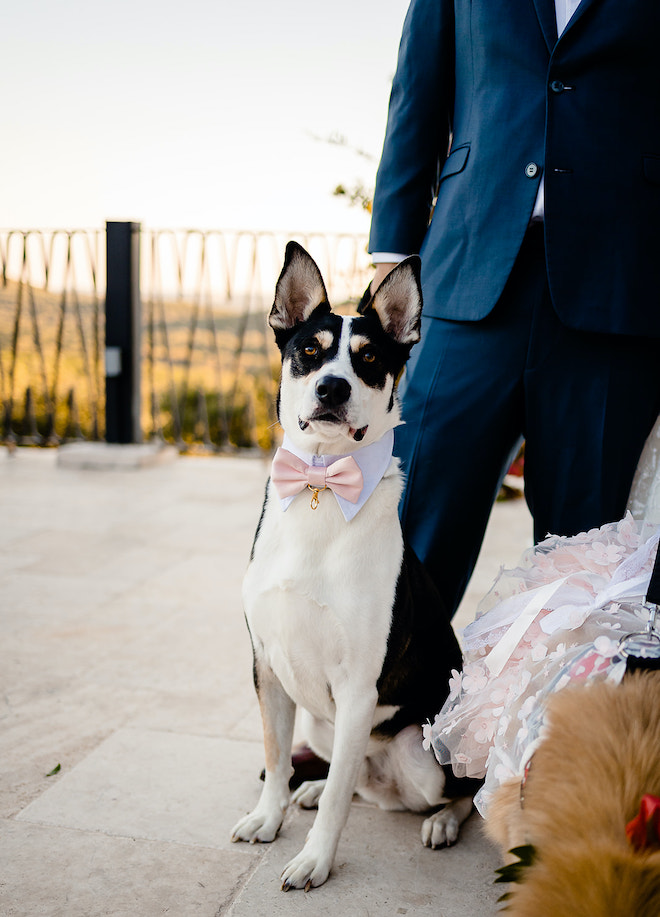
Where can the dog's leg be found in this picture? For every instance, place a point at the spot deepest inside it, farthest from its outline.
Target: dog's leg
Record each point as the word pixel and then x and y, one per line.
pixel 354 717
pixel 278 715
pixel 308 794
pixel 441 829
pixel 400 774
pixel 319 735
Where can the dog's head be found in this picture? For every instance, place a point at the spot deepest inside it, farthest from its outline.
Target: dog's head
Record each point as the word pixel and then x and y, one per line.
pixel 339 373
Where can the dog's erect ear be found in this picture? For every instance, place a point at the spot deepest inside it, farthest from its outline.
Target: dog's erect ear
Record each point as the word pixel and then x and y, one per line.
pixel 299 292
pixel 398 302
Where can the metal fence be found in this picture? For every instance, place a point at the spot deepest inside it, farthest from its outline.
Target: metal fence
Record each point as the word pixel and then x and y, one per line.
pixel 51 336
pixel 207 370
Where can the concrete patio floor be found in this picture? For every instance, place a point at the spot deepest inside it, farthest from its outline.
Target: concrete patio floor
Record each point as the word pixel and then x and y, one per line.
pixel 126 661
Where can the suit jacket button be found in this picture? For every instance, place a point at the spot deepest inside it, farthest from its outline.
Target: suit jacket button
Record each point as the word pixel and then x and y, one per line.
pixel 532 170
pixel 557 86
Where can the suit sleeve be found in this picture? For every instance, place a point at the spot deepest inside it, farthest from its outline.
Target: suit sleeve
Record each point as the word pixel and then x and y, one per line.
pixel 418 128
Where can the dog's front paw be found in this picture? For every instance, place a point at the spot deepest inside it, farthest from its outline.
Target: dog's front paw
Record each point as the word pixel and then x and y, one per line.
pixel 308 870
pixel 441 829
pixel 308 793
pixel 259 827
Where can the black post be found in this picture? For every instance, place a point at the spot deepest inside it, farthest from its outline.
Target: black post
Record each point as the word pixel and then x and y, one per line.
pixel 123 333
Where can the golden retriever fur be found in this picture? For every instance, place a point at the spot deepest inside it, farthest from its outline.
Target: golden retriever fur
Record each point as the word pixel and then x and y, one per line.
pixel 600 755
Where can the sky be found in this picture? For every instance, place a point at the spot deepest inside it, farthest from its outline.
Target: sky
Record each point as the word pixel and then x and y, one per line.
pixel 196 113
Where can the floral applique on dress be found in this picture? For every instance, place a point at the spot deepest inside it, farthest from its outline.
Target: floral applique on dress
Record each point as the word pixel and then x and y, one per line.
pixel 555 619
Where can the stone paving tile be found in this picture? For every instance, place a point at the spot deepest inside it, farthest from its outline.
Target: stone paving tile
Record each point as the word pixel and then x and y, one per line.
pixel 53 872
pixel 160 786
pixel 381 869
pixel 127 660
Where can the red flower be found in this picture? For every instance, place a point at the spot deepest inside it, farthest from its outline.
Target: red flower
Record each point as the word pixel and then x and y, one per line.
pixel 643 831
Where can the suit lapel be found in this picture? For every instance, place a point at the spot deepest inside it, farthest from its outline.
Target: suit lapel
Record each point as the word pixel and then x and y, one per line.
pixel 545 10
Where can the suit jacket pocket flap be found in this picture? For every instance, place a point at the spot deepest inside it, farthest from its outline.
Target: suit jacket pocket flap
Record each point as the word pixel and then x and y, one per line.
pixel 652 169
pixel 455 162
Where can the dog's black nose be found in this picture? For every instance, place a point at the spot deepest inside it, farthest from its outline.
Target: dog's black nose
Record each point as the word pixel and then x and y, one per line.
pixel 333 391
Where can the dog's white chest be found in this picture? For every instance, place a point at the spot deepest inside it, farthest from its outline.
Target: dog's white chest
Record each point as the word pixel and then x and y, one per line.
pixel 319 593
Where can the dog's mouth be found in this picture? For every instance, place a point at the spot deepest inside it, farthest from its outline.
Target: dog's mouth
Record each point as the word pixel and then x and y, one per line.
pixel 327 417
pixel 356 434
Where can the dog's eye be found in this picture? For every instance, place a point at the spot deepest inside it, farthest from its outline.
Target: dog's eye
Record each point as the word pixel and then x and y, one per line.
pixel 368 356
pixel 311 350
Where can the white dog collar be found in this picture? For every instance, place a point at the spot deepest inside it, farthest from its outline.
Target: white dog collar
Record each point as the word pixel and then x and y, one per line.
pixel 373 460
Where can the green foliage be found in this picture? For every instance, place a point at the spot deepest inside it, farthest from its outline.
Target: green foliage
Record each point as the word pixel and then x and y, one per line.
pixel 357 196
pixel 515 872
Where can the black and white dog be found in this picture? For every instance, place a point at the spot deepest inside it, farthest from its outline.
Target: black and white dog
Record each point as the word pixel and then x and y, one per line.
pixel 343 620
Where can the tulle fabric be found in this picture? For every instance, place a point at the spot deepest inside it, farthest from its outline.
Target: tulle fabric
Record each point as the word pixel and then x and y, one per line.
pixel 555 619
pixel 644 502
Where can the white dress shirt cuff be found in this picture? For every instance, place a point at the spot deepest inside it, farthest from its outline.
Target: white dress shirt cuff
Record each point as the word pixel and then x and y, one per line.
pixel 388 257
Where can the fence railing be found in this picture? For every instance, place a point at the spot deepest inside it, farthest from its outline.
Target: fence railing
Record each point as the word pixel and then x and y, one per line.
pixel 51 335
pixel 208 368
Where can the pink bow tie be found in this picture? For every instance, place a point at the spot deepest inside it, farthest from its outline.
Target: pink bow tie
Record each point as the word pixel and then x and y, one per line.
pixel 291 474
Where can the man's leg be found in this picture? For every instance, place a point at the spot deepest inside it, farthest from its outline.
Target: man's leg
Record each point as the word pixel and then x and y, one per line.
pixel 457 439
pixel 463 409
pixel 591 401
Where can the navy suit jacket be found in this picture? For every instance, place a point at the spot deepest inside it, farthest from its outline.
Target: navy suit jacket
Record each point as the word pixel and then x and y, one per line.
pixel 517 103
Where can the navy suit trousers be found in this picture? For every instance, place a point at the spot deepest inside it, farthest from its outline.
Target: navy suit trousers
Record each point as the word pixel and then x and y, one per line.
pixel 584 403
